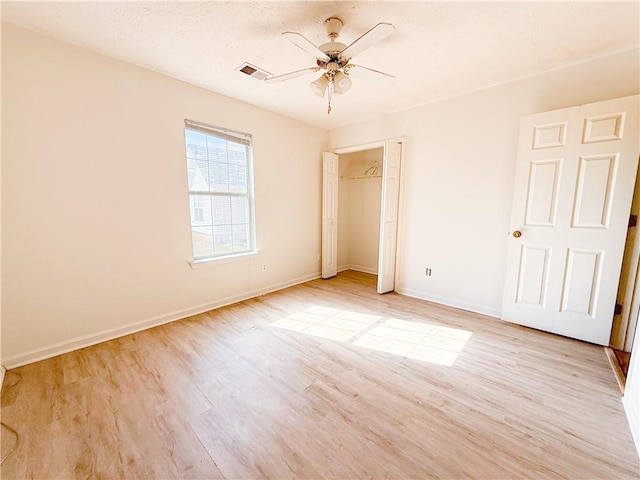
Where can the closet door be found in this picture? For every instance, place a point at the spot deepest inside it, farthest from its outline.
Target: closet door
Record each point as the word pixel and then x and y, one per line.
pixel 329 215
pixel 389 216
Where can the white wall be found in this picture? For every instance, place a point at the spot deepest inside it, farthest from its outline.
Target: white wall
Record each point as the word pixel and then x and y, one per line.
pixel 631 399
pixel 458 173
pixel 1 366
pixel 95 221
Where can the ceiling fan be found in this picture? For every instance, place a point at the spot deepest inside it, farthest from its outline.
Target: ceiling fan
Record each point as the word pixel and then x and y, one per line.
pixel 333 59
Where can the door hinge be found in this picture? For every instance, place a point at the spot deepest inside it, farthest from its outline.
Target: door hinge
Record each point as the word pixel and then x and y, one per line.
pixel 633 220
pixel 618 310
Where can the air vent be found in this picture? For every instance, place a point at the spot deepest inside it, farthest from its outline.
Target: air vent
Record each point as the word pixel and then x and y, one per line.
pixel 253 71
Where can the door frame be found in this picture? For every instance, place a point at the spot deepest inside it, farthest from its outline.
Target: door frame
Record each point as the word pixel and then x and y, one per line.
pixel 380 144
pixel 626 323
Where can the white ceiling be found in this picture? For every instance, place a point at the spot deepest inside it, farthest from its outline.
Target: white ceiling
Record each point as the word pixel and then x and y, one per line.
pixel 440 49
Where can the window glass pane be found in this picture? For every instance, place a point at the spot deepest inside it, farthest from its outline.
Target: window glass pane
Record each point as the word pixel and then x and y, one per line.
pixel 196 144
pixel 191 170
pixel 200 210
pixel 237 178
pixel 202 241
pixel 222 239
pixel 240 238
pixel 239 210
pixel 237 153
pixel 219 177
pixel 216 149
pixel 219 192
pixel 198 175
pixel 221 210
pixel 197 167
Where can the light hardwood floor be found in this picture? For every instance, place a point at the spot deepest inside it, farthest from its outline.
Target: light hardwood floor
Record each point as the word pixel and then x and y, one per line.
pixel 227 394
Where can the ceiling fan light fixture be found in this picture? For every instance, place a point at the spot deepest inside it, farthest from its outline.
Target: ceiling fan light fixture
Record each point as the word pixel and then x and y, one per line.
pixel 319 86
pixel 341 83
pixel 333 57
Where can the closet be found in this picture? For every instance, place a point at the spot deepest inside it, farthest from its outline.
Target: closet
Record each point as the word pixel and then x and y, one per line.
pixel 359 198
pixel 360 210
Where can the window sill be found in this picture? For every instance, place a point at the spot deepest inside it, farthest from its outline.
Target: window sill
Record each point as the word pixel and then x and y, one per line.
pixel 208 262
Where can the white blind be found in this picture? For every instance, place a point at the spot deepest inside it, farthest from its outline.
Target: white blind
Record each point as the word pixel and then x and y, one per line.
pixel 230 135
pixel 220 190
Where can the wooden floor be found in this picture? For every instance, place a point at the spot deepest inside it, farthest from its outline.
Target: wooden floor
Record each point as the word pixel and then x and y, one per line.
pixel 226 394
pixel 619 362
pixel 623 360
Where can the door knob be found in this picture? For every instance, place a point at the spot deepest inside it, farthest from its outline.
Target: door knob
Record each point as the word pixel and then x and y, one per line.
pixel 517 234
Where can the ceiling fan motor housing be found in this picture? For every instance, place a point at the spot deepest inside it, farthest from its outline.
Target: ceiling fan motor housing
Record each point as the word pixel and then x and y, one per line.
pixel 337 60
pixel 332 48
pixel 333 25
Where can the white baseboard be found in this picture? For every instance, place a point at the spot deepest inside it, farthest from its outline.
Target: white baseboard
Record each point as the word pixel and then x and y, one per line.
pixel 359 268
pixel 77 343
pixel 634 421
pixel 482 309
pixel 2 372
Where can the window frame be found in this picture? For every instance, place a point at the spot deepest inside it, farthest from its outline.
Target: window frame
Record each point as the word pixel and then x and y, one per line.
pixel 227 136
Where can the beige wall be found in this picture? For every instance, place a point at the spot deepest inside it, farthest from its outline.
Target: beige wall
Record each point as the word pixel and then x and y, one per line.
pixel 458 175
pixel 344 218
pixel 359 211
pixel 364 206
pixel 95 222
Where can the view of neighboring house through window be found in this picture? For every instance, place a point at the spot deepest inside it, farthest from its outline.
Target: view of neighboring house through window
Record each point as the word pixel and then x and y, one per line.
pixel 220 191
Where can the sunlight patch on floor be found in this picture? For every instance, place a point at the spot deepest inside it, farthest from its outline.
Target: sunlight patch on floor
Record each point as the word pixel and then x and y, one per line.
pixel 416 340
pixel 328 323
pixel 420 341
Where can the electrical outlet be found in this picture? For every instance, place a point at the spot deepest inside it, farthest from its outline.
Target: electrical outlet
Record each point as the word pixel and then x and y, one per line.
pixel 427 271
pixel 264 267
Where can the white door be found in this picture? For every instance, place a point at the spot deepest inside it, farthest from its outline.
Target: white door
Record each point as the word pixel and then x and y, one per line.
pixel 389 216
pixel 329 215
pixel 574 183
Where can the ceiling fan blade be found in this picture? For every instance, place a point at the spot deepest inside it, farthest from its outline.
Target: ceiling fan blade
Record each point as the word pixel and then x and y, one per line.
pixel 287 76
pixel 374 35
pixel 370 75
pixel 306 45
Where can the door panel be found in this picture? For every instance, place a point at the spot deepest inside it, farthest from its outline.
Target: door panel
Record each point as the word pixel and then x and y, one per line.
pixel 596 179
pixel 551 135
pixel 543 192
pixel 329 215
pixel 532 281
pixel 603 128
pixel 574 183
pixel 389 217
pixel 580 286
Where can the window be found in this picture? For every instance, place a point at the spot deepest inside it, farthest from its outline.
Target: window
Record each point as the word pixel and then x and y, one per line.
pixel 220 191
